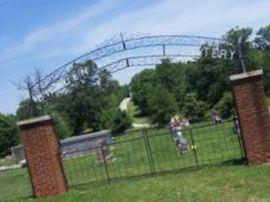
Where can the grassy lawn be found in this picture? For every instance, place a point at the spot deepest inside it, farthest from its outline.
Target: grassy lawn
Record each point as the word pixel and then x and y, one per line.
pixel 8 162
pixel 14 183
pixel 134 112
pixel 268 101
pixel 227 183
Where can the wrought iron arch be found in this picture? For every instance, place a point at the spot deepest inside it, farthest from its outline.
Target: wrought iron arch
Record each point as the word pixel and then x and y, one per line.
pixel 127 51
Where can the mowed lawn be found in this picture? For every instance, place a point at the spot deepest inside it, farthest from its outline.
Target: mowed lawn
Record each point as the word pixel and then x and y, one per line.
pixel 215 144
pixel 226 183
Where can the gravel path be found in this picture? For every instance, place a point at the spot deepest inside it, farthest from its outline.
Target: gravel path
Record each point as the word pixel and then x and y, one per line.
pixel 124 104
pixel 124 107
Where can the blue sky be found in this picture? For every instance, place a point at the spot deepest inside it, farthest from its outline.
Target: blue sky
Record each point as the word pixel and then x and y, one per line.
pixel 45 34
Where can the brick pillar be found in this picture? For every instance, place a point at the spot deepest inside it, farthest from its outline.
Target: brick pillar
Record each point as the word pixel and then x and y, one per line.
pixel 253 115
pixel 41 147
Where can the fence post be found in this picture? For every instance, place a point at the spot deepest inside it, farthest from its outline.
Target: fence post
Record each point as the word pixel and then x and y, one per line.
pixel 41 147
pixel 149 156
pixel 253 115
pixel 150 151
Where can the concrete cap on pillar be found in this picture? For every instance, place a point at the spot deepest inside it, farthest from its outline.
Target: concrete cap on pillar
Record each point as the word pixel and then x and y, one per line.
pixel 34 120
pixel 246 75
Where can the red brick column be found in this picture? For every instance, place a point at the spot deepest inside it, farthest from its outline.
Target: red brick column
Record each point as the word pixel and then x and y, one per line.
pixel 253 115
pixel 41 147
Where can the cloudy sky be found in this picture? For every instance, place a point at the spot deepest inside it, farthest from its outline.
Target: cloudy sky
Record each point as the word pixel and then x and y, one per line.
pixel 47 33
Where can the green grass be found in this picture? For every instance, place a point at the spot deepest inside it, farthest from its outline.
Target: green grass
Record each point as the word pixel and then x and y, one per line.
pixel 215 145
pixel 268 101
pixel 134 112
pixel 14 183
pixel 8 162
pixel 227 183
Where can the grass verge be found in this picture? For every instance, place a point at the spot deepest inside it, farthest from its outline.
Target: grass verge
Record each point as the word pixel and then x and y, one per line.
pixel 228 183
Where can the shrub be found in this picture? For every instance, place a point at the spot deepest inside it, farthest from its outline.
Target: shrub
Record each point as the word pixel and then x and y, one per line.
pixel 194 109
pixel 225 105
pixel 116 120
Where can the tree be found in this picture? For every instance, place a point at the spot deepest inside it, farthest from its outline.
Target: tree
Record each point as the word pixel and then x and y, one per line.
pixel 141 86
pixel 263 38
pixel 225 105
pixel 239 41
pixel 91 92
pixel 261 55
pixel 194 109
pixel 162 105
pixel 27 84
pixel 23 110
pixel 62 126
pixel 115 120
pixel 172 76
pixel 208 79
pixel 8 134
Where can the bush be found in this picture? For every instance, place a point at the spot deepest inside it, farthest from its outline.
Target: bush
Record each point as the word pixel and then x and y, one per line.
pixel 194 109
pixel 225 105
pixel 116 120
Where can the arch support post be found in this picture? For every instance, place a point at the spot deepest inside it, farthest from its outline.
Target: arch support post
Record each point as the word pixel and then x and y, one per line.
pixel 42 152
pixel 253 115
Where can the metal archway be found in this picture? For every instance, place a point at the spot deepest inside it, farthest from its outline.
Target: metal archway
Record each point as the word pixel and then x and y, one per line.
pixel 123 52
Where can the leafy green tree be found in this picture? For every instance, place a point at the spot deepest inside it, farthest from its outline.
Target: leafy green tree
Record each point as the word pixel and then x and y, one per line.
pixel 225 105
pixel 91 91
pixel 208 79
pixel 194 109
pixel 23 110
pixel 239 40
pixel 172 76
pixel 263 38
pixel 162 105
pixel 82 104
pixel 8 134
pixel 61 124
pixel 115 120
pixel 141 86
pixel 261 55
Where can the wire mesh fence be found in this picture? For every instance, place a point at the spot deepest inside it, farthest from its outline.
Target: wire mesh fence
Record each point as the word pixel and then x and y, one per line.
pixel 153 151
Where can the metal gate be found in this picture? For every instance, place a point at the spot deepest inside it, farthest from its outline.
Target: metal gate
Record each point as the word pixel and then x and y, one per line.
pixel 153 151
pixel 210 144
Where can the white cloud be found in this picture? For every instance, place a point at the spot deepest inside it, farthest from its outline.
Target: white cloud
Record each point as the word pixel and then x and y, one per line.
pixel 77 35
pixel 212 18
pixel 53 33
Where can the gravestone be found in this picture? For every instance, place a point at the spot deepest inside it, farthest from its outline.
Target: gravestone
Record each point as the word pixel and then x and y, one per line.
pixel 103 152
